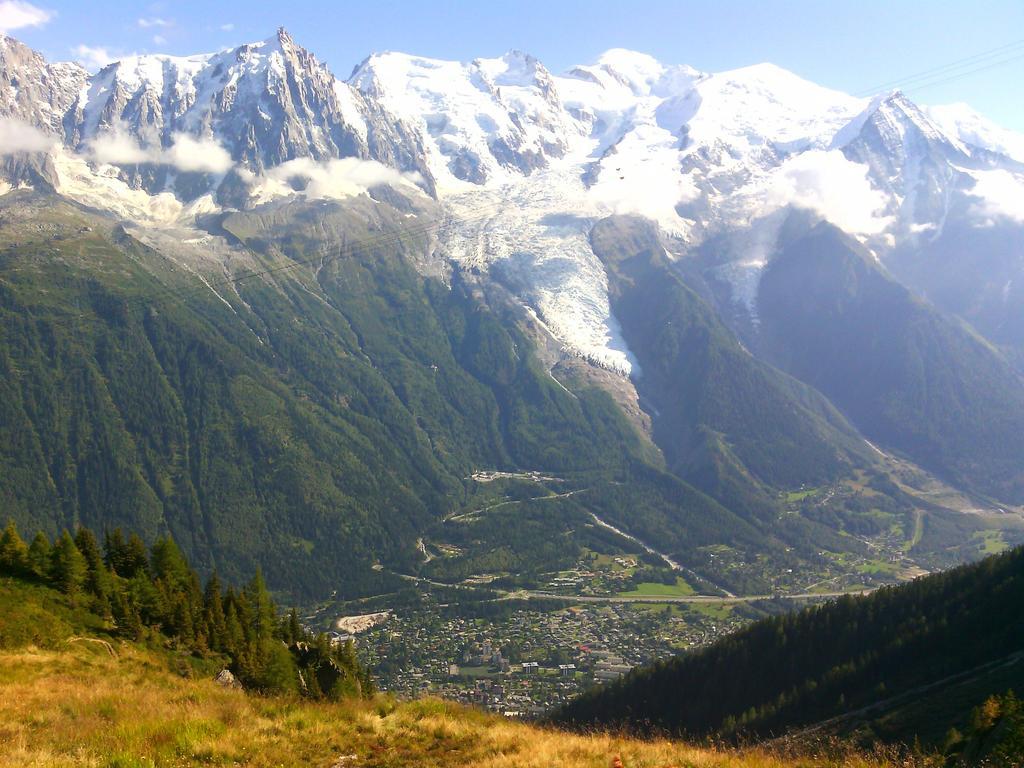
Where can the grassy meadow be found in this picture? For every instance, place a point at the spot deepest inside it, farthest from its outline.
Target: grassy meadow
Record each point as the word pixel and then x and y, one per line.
pixel 121 706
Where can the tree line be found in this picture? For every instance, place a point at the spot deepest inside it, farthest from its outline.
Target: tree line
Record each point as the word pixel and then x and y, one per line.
pixel 153 594
pixel 800 668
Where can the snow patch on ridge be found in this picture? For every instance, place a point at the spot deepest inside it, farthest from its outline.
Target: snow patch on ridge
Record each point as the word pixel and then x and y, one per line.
pixel 968 126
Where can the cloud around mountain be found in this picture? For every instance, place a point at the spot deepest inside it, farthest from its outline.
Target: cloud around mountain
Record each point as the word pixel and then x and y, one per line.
pixel 186 153
pixel 16 136
pixel 1000 194
pixel 333 179
pixel 826 182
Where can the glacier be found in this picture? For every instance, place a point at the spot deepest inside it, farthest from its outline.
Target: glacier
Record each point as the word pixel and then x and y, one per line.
pixel 522 161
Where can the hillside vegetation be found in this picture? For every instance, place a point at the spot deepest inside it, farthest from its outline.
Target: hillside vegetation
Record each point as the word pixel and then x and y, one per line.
pixel 314 422
pixel 904 663
pixel 72 694
pixel 154 597
pixel 911 378
pixel 737 428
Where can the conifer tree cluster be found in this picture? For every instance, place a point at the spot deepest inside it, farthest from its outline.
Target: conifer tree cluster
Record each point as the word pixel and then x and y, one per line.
pixel 153 593
pixel 827 660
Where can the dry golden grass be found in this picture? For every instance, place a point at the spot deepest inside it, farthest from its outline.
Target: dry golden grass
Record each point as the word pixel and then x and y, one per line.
pixel 82 707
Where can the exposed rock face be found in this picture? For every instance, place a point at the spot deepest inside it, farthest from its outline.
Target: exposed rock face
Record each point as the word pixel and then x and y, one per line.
pixel 226 679
pixel 34 91
pixel 356 624
pixel 265 103
pixel 908 157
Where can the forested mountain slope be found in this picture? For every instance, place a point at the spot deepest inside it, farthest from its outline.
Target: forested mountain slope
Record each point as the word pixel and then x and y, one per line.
pixel 316 419
pixel 905 374
pixel 738 428
pixel 314 423
pixel 897 661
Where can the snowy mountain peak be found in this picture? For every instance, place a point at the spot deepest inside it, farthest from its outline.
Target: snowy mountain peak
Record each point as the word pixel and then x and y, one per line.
pixel 901 113
pixel 708 157
pixel 252 107
pixel 488 120
pixel 638 73
pixel 283 37
pixel 34 91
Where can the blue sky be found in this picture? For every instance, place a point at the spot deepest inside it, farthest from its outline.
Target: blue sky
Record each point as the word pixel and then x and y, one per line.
pixel 853 46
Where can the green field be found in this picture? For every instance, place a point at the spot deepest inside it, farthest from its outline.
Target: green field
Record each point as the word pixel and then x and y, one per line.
pixel 877 567
pixel 656 589
pixel 794 496
pixel 989 542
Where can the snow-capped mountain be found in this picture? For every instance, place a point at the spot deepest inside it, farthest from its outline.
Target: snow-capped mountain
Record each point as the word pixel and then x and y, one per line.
pixel 487 121
pixel 249 108
pixel 524 161
pixel 34 91
pixel 710 157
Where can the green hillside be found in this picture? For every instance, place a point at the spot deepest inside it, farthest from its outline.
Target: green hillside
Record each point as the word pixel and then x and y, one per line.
pixel 734 426
pixel 79 697
pixel 905 662
pixel 75 590
pixel 909 377
pixel 315 420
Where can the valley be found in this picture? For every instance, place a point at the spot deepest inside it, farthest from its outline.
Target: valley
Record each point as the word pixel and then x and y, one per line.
pixel 628 395
pixel 609 611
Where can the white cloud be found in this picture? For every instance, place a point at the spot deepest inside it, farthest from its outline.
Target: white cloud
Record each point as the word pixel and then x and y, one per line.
pixel 159 40
pixel 335 179
pixel 188 153
pixel 834 187
pixel 1000 194
pixel 119 147
pixel 155 21
pixel 16 136
pixel 227 27
pixel 92 58
pixel 16 14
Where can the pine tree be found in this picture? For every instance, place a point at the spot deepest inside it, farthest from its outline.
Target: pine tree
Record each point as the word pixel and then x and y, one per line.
pixel 182 626
pixel 13 552
pixel 293 631
pixel 126 616
pixel 124 558
pixel 263 611
pixel 99 581
pixel 214 612
pixel 277 672
pixel 168 563
pixel 68 569
pixel 136 558
pixel 194 597
pixel 39 556
pixel 146 598
pixel 115 552
pixel 234 634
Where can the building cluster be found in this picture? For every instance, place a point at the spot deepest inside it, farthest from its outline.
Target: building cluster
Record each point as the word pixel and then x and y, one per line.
pixel 485 654
pixel 529 661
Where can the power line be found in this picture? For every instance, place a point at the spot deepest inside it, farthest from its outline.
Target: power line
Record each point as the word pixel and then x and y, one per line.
pixel 944 68
pixel 928 78
pixel 969 72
